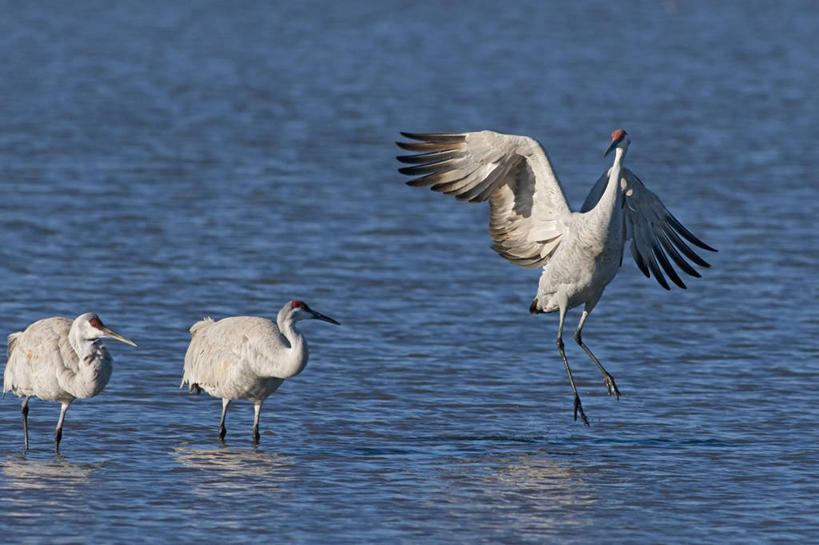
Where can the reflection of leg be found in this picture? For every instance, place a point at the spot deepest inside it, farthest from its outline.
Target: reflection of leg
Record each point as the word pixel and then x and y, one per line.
pixel 608 380
pixel 58 434
pixel 24 410
pixel 222 429
pixel 257 409
pixel 577 405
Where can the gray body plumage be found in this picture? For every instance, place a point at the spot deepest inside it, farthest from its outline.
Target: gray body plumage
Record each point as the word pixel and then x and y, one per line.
pixel 43 363
pixel 59 359
pixel 241 357
pixel 247 357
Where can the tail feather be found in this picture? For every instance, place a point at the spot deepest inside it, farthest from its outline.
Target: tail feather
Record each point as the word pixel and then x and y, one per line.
pixel 13 342
pixel 195 329
pixel 201 324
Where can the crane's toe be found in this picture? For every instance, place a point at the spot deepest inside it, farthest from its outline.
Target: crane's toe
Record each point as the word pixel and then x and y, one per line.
pixel 578 407
pixel 608 380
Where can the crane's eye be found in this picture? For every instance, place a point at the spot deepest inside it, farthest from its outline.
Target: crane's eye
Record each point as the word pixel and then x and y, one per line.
pixel 95 322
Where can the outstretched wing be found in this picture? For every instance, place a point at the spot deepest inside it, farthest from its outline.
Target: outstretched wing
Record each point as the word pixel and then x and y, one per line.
pixel 527 205
pixel 656 235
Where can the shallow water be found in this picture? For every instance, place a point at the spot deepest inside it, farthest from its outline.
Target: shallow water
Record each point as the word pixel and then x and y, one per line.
pixel 160 163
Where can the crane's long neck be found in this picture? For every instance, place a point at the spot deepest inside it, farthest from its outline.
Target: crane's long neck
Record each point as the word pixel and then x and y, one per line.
pixel 93 370
pixel 88 350
pixel 608 208
pixel 295 357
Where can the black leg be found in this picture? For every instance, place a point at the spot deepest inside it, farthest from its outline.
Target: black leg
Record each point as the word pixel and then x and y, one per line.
pixel 222 429
pixel 58 433
pixel 24 410
pixel 578 407
pixel 608 380
pixel 257 409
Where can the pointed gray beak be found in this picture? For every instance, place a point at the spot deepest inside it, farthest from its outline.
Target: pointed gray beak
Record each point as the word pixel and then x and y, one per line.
pixel 611 146
pixel 111 334
pixel 320 316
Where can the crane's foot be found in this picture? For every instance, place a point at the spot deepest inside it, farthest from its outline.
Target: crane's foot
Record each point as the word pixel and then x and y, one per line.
pixel 578 407
pixel 222 432
pixel 608 380
pixel 256 435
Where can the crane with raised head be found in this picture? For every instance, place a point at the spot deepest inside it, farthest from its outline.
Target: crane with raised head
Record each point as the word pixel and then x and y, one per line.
pixel 247 357
pixel 533 226
pixel 59 359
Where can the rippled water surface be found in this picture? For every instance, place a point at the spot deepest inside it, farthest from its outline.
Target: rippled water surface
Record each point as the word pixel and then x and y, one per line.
pixel 160 162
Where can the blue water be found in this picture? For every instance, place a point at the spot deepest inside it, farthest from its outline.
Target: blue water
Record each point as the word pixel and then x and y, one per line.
pixel 160 162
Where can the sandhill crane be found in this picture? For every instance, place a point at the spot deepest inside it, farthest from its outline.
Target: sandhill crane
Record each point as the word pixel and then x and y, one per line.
pixel 59 359
pixel 246 357
pixel 532 225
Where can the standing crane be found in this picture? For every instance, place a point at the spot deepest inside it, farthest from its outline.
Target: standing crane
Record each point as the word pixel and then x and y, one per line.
pixel 59 359
pixel 246 357
pixel 533 226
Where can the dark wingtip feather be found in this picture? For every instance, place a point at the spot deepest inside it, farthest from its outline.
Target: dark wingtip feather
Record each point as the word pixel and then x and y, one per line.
pixel 667 267
pixel 658 276
pixel 426 168
pixel 675 255
pixel 639 260
pixel 430 157
pixel 441 138
pixel 688 235
pixel 421 146
pixel 684 248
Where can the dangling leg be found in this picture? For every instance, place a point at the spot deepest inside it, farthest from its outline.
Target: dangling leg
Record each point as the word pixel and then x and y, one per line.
pixel 24 410
pixel 608 380
pixel 257 409
pixel 577 405
pixel 58 433
pixel 222 429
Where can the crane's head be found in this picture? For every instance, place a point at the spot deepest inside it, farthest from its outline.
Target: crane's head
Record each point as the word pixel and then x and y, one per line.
pixel 619 139
pixel 91 328
pixel 300 311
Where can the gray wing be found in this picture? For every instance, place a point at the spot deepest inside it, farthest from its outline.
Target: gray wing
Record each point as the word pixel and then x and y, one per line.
pixel 208 357
pixel 656 235
pixel 218 350
pixel 37 356
pixel 527 205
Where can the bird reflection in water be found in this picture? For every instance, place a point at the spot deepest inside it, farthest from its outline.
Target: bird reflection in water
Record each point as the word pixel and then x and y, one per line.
pixel 18 472
pixel 230 468
pixel 536 491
